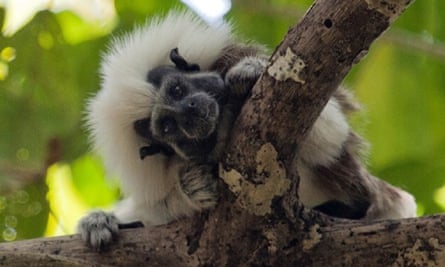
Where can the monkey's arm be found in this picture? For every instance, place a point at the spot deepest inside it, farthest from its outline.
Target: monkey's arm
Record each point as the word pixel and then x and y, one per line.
pixel 239 81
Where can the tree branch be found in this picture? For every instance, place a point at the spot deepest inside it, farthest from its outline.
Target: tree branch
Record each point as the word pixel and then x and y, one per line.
pixel 409 242
pixel 416 43
pixel 330 38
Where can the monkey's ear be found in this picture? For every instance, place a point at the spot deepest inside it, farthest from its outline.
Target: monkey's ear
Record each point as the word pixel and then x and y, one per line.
pixel 142 128
pixel 156 75
pixel 181 63
pixel 154 149
pixel 149 151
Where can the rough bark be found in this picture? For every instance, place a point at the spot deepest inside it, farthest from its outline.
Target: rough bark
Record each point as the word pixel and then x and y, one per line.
pixel 409 242
pixel 259 221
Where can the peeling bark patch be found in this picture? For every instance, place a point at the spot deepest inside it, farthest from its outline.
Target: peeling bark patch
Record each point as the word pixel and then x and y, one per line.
pixel 422 253
pixel 313 239
pixel 257 198
pixel 390 8
pixel 286 67
pixel 266 162
pixel 233 179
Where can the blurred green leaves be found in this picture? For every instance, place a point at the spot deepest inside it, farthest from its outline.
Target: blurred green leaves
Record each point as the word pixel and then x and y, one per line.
pixel 23 213
pixel 7 55
pixel 49 68
pixel 76 30
pixel 98 15
pixel 402 87
pixel 74 189
pixel 88 177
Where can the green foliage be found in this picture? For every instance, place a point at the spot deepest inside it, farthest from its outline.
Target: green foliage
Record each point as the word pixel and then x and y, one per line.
pixel 50 67
pixel 42 98
pixel 403 93
pixel 88 177
pixel 24 213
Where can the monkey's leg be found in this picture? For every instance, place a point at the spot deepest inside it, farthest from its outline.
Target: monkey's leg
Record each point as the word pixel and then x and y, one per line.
pixel 243 75
pixel 199 183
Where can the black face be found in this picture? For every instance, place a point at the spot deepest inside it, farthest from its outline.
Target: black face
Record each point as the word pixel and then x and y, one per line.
pixel 189 102
pixel 185 115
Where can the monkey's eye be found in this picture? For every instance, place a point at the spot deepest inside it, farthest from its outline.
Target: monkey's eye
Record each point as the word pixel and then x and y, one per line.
pixel 177 92
pixel 168 125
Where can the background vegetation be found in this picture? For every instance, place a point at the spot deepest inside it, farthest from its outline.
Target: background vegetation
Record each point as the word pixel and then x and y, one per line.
pixel 49 67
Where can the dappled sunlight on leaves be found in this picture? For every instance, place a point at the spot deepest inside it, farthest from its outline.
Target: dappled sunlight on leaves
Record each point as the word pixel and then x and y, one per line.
pixel 97 14
pixel 439 197
pixel 65 203
pixel 23 213
pixel 4 70
pixel 7 54
pixel 75 189
pixel 46 40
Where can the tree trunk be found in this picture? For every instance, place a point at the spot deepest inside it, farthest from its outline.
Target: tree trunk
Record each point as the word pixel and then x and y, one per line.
pixel 259 221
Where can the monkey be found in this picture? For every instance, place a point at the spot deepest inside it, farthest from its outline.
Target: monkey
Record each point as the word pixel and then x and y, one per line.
pixel 170 93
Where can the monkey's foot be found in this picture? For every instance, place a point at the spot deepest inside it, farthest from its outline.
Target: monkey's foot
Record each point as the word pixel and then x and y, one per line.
pixel 98 229
pixel 200 185
pixel 243 76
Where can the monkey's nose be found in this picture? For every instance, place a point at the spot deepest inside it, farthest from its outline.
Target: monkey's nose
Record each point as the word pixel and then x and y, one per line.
pixel 193 107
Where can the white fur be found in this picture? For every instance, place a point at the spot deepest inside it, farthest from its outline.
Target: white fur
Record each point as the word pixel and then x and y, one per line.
pixel 126 96
pixel 309 191
pixel 325 140
pixel 389 202
pixel 404 206
pixel 322 146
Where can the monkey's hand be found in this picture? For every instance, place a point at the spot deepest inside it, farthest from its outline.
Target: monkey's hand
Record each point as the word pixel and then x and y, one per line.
pixel 98 229
pixel 199 183
pixel 243 75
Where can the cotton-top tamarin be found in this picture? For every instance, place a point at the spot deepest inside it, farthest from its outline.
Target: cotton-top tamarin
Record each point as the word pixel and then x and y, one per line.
pixel 170 93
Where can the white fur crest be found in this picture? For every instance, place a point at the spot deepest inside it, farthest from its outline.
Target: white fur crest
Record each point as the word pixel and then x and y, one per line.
pixel 126 96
